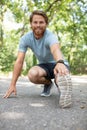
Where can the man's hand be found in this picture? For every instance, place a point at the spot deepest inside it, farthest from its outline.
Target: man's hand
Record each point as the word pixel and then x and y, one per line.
pixel 61 69
pixel 11 90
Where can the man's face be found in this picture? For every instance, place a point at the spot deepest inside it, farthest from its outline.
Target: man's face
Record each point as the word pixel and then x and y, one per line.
pixel 38 25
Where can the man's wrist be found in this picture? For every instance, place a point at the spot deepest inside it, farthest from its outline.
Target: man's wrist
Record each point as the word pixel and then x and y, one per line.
pixel 60 61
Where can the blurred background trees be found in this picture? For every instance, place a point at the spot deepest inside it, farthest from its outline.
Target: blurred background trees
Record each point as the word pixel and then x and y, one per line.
pixel 67 18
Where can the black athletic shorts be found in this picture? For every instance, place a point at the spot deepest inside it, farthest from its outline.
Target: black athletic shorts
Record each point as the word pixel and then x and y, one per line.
pixel 49 68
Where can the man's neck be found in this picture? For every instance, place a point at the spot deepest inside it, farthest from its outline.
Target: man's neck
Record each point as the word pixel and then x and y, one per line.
pixel 38 36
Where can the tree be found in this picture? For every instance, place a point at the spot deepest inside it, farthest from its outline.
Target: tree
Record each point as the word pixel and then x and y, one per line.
pixel 68 19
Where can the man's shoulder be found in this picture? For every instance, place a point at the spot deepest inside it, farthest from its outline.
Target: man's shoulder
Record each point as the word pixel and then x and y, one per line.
pixel 49 32
pixel 27 35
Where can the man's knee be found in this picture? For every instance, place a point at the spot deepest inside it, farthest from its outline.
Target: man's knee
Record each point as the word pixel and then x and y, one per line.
pixel 32 75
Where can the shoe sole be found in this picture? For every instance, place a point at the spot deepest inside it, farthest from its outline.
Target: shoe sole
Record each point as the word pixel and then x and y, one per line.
pixel 65 87
pixel 43 95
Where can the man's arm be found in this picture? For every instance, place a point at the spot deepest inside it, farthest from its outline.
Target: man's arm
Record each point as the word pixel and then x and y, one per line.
pixel 16 73
pixel 60 67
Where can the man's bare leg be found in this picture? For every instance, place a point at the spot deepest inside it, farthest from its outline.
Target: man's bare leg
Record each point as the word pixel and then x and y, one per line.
pixel 38 75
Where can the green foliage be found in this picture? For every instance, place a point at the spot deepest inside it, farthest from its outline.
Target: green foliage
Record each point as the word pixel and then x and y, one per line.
pixel 67 18
pixel 8 51
pixel 30 60
pixel 7 59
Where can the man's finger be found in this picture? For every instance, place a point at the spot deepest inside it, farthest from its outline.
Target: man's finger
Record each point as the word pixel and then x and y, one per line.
pixel 7 94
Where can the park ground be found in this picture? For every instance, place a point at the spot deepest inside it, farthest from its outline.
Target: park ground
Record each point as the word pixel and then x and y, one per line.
pixel 29 111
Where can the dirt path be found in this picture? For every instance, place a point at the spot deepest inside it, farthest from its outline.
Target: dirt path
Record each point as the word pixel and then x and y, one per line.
pixel 29 111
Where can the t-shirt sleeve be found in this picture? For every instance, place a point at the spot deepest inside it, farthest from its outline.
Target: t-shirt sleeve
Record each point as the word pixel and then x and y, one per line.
pixel 52 39
pixel 22 45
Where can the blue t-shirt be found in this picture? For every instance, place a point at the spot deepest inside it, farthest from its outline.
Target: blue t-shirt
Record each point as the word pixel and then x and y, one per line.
pixel 41 47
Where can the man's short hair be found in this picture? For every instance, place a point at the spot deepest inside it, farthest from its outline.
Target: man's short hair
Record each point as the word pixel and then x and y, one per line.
pixel 39 12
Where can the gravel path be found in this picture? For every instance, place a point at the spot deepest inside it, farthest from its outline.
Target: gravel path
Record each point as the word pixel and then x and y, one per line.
pixel 29 111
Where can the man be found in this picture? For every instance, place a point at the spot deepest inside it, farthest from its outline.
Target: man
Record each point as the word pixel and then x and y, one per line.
pixel 45 46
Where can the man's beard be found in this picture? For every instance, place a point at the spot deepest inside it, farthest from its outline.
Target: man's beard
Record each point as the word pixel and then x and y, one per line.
pixel 39 31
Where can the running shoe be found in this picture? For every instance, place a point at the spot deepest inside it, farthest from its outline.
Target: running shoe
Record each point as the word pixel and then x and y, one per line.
pixel 65 86
pixel 46 90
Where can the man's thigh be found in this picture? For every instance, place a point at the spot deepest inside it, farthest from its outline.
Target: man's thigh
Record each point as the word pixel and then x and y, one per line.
pixel 48 67
pixel 39 70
